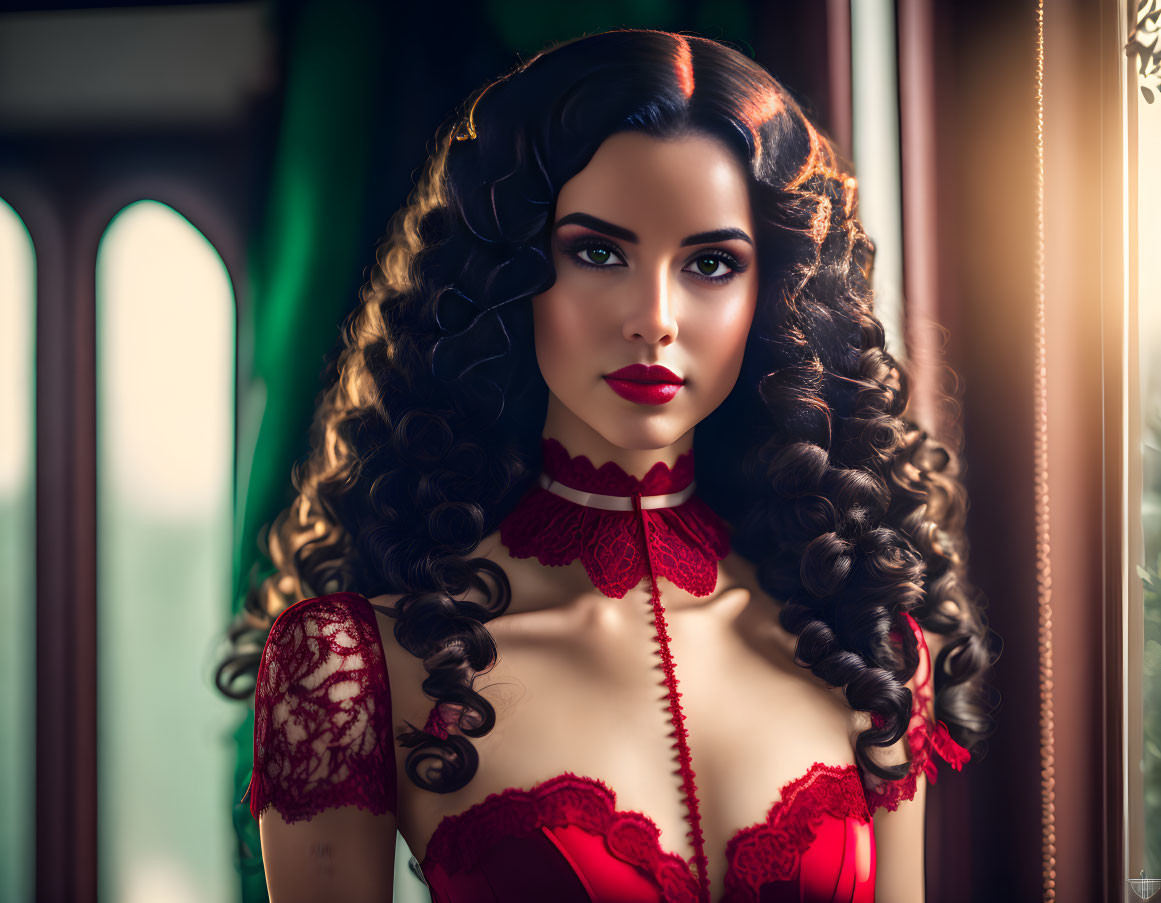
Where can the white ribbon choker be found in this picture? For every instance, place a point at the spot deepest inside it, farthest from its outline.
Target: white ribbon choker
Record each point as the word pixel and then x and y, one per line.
pixel 615 502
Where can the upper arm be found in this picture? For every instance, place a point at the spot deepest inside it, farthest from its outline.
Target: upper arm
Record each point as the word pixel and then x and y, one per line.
pixel 324 784
pixel 342 853
pixel 899 821
pixel 899 848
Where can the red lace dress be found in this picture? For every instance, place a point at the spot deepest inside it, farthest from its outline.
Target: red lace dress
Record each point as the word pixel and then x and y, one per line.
pixel 324 732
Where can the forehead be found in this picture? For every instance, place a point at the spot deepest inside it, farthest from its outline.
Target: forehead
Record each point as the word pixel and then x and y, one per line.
pixel 660 186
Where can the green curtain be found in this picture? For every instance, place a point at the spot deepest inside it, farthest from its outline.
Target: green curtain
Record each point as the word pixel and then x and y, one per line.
pixel 304 267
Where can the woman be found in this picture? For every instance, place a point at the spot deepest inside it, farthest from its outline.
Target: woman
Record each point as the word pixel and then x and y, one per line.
pixel 612 492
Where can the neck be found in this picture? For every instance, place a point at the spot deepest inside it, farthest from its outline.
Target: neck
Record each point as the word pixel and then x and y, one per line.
pixel 636 457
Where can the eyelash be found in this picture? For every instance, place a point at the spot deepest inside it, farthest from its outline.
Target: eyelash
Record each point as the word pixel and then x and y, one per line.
pixel 735 265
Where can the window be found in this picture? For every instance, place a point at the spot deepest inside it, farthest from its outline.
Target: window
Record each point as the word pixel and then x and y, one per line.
pixel 165 452
pixel 17 555
pixel 875 109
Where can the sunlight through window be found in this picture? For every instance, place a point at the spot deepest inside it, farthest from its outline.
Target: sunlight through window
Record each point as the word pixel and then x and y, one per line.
pixel 875 86
pixel 17 556
pixel 165 459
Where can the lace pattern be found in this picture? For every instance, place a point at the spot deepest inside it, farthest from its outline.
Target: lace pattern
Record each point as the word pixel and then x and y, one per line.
pixel 323 725
pixel 686 542
pixel 768 851
pixel 772 850
pixel 620 548
pixel 610 479
pixel 322 712
pixel 676 715
pixel 462 841
pixel 924 740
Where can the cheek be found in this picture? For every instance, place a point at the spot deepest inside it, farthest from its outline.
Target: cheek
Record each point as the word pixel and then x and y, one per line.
pixel 722 340
pixel 560 329
pixel 546 319
pixel 549 321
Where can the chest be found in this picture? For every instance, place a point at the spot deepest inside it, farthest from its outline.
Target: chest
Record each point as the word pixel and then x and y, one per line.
pixel 581 689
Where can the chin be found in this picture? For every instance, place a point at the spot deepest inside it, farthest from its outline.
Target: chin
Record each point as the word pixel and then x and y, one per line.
pixel 640 433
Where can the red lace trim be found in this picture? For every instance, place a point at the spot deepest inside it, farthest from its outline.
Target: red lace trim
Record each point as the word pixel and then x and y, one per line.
pixel 462 841
pixel 435 723
pixel 610 479
pixel 772 850
pixel 923 739
pixel 322 712
pixel 677 716
pixel 686 541
pixel 768 851
pixel 618 548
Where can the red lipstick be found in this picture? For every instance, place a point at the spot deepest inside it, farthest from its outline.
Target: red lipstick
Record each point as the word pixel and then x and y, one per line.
pixel 645 384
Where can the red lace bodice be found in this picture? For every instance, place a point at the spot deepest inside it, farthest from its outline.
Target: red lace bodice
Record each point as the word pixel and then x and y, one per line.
pixel 818 833
pixel 322 738
pixel 323 730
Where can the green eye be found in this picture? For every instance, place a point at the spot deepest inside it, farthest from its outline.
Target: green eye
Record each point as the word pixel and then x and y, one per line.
pixel 594 255
pixel 707 268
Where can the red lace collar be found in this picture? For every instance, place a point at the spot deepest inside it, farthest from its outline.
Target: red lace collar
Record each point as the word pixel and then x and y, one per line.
pixel 682 542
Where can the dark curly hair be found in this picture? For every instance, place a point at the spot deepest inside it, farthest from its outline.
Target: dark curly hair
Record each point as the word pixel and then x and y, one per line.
pixel 428 431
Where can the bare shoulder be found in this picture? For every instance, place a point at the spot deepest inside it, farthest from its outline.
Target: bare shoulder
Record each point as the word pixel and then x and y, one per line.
pixel 761 623
pixel 756 617
pixel 760 619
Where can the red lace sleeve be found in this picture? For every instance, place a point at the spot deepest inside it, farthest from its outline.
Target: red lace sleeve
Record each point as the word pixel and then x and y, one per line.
pixel 925 739
pixel 322 712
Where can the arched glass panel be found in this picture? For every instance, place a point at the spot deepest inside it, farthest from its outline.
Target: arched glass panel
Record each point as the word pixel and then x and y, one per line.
pixel 17 556
pixel 165 459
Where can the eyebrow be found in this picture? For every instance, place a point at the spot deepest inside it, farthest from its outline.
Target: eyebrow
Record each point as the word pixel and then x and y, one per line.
pixel 615 231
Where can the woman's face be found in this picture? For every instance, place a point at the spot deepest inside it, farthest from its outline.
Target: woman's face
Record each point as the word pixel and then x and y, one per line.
pixel 655 267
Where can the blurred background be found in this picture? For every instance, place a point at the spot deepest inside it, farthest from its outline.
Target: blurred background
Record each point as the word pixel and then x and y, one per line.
pixel 190 199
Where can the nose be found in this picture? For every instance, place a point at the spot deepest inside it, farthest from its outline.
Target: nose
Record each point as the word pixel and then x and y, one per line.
pixel 652 317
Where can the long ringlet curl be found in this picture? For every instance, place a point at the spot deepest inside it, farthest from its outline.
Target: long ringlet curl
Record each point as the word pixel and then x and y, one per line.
pixel 427 433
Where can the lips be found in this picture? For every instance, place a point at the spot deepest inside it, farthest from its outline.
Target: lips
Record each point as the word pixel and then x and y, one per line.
pixel 645 384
